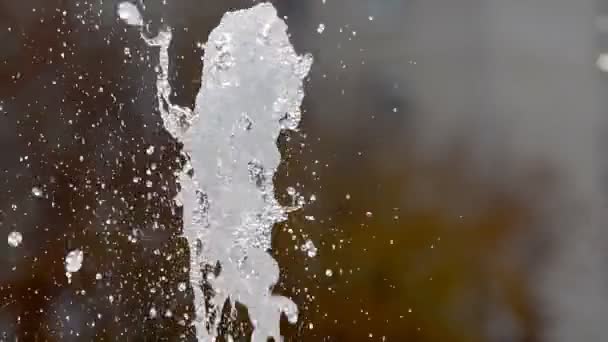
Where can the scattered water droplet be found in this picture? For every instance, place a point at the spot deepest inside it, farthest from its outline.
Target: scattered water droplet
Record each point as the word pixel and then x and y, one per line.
pixel 321 28
pixel 37 192
pixel 73 261
pixel 15 239
pixel 309 248
pixel 129 13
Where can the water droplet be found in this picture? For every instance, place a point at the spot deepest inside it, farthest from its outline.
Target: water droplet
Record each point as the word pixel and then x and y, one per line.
pixel 15 239
pixel 309 248
pixel 129 13
pixel 73 261
pixel 37 192
pixel 321 28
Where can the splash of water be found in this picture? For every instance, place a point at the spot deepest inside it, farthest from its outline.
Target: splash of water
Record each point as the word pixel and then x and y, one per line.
pixel 251 90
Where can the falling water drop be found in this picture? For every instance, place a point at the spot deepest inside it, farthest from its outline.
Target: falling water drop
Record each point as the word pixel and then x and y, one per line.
pixel 37 192
pixel 309 248
pixel 15 239
pixel 129 13
pixel 73 261
pixel 321 28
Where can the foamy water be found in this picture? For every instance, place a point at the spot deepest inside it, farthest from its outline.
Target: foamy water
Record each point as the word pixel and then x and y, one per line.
pixel 251 90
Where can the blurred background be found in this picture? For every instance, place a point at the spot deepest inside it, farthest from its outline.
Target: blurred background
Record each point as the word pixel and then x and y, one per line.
pixel 454 151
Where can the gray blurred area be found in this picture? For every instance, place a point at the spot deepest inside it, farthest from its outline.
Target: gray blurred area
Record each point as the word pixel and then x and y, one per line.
pixel 455 150
pixel 516 83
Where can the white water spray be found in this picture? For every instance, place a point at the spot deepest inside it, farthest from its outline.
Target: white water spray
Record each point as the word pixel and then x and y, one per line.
pixel 251 90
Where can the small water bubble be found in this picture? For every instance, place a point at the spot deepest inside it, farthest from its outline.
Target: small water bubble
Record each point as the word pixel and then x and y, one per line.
pixel 15 239
pixel 309 248
pixel 245 122
pixel 37 192
pixel 321 28
pixel 73 261
pixel 129 13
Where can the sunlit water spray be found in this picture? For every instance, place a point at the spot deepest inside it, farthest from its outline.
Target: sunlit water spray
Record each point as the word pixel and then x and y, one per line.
pixel 251 90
